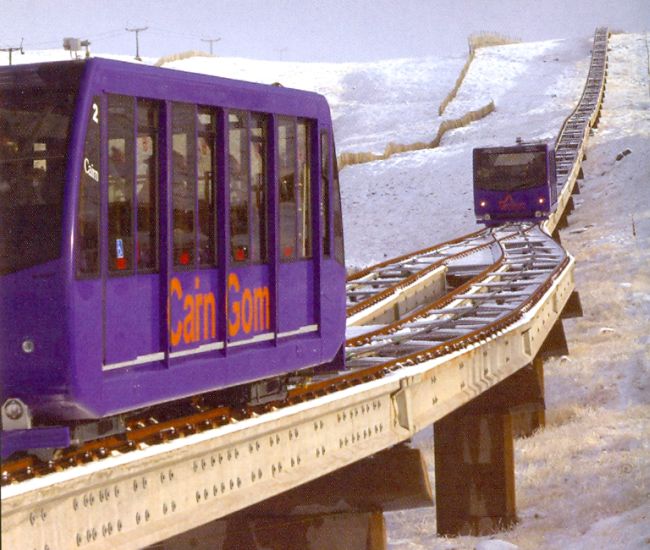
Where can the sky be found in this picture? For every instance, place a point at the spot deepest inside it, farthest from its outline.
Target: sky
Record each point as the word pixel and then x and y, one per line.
pixel 306 30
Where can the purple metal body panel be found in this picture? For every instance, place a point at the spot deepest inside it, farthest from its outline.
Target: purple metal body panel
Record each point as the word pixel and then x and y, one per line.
pixel 106 345
pixel 511 205
pixel 248 304
pixel 128 301
pixel 31 309
pixel 296 296
pixel 194 303
pixel 56 437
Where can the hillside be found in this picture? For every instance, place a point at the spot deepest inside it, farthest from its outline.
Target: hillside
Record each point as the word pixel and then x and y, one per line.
pixel 583 481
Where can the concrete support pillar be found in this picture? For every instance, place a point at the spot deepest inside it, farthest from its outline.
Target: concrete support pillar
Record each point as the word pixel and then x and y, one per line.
pixel 528 410
pixel 475 480
pixel 563 222
pixel 555 344
pixel 338 531
pixel 473 447
pixel 570 206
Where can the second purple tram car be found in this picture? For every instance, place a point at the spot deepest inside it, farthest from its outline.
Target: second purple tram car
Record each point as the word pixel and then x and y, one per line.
pixel 162 234
pixel 513 184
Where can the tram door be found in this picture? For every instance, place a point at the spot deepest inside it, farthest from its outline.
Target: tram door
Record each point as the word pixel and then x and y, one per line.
pixel 296 298
pixel 132 289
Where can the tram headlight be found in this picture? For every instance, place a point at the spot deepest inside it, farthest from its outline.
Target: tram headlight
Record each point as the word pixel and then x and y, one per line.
pixel 541 200
pixel 538 214
pixel 483 203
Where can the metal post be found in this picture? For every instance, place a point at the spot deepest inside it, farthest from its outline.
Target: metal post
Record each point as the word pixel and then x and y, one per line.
pixel 210 40
pixel 137 40
pixel 12 50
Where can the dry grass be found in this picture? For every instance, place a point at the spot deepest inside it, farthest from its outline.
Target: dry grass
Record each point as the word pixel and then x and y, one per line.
pixel 459 81
pixel 475 41
pixel 347 159
pixel 487 39
pixel 180 56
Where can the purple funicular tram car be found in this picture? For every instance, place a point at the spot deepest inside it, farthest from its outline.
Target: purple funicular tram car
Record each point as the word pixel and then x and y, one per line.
pixel 163 234
pixel 514 184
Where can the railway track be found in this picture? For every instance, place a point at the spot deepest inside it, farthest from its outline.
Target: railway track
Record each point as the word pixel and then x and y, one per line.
pixel 509 265
pixel 368 287
pixel 527 259
pixel 500 274
pixel 570 141
pixel 527 262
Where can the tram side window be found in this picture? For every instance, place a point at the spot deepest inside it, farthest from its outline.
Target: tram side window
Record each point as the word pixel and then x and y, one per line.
pixel 183 183
pixel 89 199
pixel 304 190
pixel 146 186
pixel 206 189
pixel 325 193
pixel 120 183
pixel 286 184
pixel 259 194
pixel 238 171
pixel 339 250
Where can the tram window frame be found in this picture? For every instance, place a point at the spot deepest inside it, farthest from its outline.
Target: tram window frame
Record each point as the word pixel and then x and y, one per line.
pixel 143 120
pixel 248 188
pixel 337 212
pixel 304 190
pixel 88 222
pixel 258 133
pixel 183 136
pixel 120 249
pixel 195 130
pixel 286 187
pixel 238 186
pixel 295 182
pixel 325 206
pixel 148 126
pixel 207 217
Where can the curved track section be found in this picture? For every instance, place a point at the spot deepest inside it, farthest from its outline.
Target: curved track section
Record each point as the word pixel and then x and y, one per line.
pixel 527 261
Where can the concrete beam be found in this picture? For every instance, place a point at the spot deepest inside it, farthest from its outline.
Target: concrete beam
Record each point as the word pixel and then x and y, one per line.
pixel 573 307
pixel 342 510
pixel 394 479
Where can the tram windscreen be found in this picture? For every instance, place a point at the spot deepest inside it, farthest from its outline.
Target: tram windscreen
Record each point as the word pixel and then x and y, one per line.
pixel 36 106
pixel 509 171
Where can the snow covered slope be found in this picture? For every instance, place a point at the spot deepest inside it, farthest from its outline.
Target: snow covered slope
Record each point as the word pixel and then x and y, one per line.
pixel 417 199
pixel 584 481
